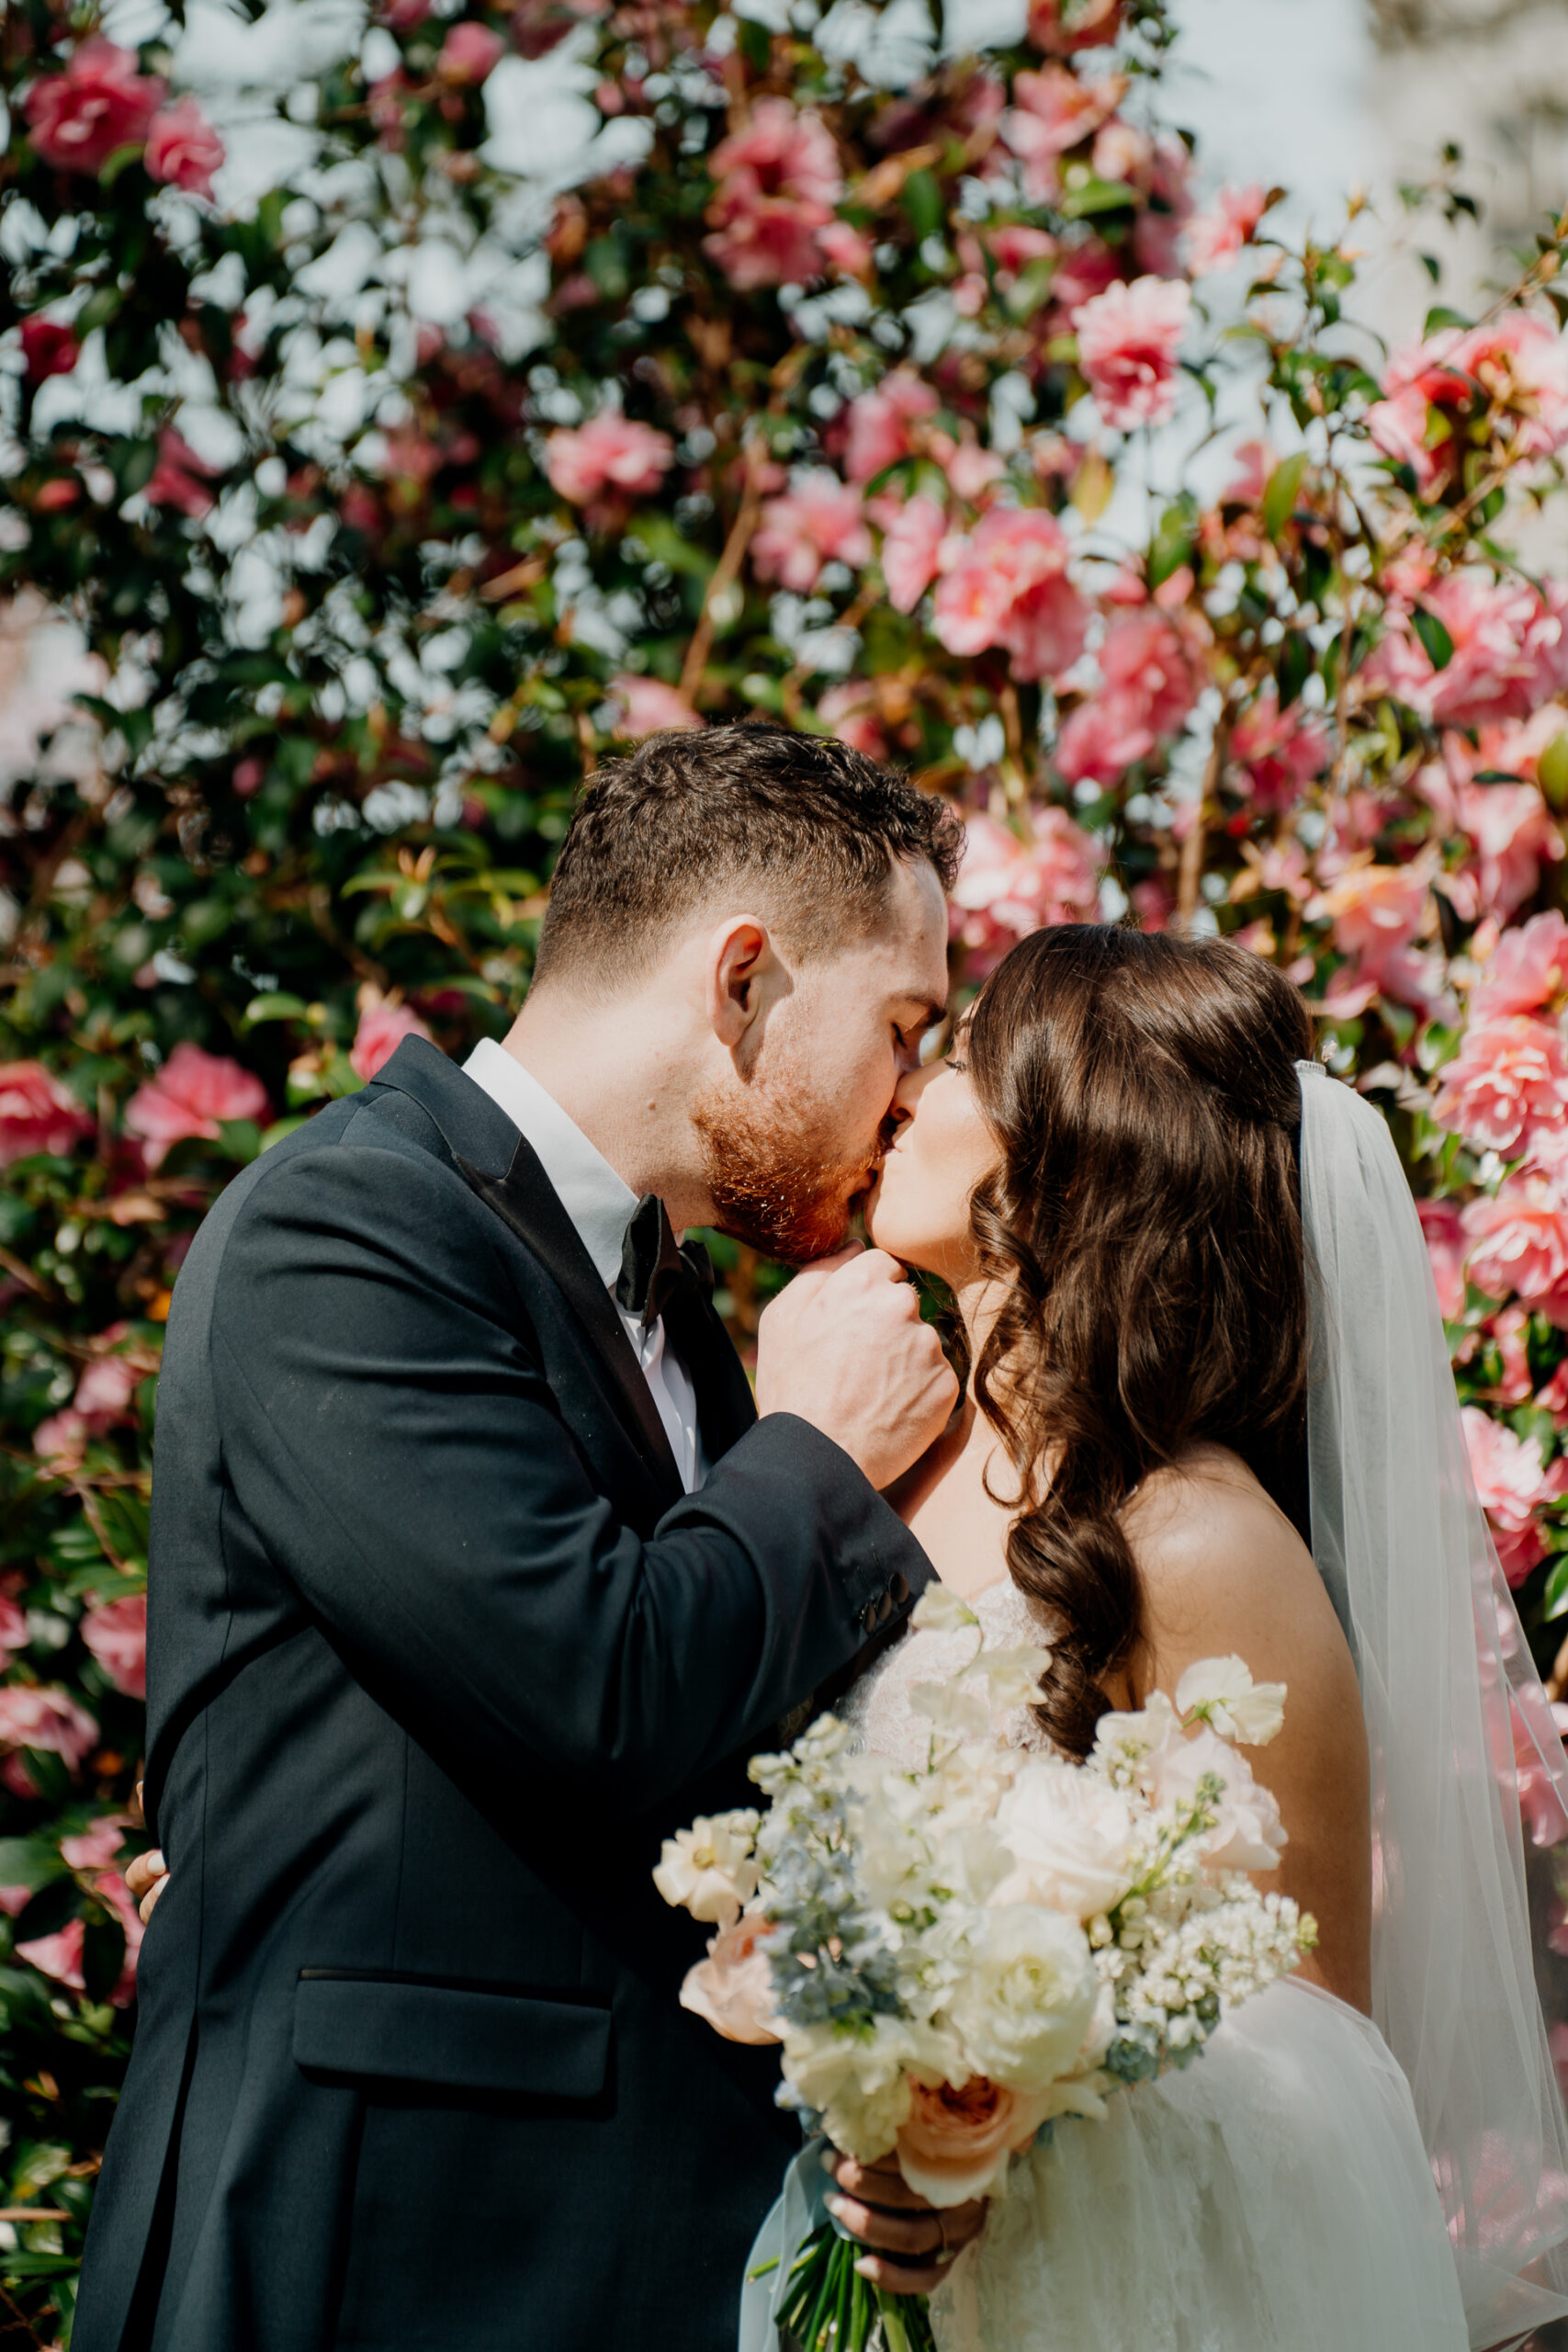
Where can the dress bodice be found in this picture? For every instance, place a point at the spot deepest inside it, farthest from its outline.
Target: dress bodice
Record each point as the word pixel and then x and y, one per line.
pixel 878 1707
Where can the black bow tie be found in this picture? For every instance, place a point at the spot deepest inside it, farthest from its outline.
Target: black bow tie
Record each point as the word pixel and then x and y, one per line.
pixel 656 1270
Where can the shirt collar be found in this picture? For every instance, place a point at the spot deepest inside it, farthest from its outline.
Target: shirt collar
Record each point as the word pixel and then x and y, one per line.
pixel 597 1201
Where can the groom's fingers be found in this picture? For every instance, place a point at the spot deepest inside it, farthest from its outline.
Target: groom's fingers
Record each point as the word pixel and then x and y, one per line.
pixel 880 2184
pixel 909 2243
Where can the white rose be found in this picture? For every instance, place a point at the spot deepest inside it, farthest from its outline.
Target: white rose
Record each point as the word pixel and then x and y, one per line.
pixel 858 2078
pixel 1071 1836
pixel 1223 1693
pixel 708 1870
pixel 1247 1834
pixel 1026 2001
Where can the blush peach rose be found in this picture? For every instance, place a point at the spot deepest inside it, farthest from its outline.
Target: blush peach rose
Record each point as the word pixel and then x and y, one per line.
pixel 957 2142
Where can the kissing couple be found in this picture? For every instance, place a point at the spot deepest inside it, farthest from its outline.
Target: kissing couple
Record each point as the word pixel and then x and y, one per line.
pixel 476 1570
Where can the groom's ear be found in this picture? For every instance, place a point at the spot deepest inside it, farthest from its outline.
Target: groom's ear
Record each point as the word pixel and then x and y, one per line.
pixel 743 972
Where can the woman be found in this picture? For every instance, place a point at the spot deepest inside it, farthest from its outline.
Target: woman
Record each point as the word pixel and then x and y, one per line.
pixel 1111 1174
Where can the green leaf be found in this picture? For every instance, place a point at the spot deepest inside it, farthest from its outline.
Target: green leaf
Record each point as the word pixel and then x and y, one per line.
pixel 1441 316
pixel 922 202
pixel 1176 534
pixel 276 1006
pixel 1295 666
pixel 30 1861
pixel 1279 498
pixel 1438 645
pixel 1554 1600
pixel 58 1901
pixel 102 1954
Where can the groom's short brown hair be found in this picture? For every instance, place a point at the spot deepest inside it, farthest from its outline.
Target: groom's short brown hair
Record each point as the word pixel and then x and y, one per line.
pixel 815 826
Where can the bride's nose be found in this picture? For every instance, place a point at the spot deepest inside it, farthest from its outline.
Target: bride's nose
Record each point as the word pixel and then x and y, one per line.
pixel 907 1092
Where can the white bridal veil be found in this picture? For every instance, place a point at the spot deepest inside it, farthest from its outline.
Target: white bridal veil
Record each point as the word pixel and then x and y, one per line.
pixel 1454 1711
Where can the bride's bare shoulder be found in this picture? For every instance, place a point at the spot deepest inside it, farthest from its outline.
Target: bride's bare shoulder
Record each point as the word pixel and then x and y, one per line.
pixel 1224 1570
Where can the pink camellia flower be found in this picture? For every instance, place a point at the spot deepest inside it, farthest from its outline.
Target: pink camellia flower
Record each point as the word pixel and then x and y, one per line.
pixel 92 1848
pixel 852 710
pixel 1128 341
pixel 1510 1334
pixel 1212 238
pixel 192 1096
pixel 1148 690
pixel 106 1387
pixel 1007 586
pixel 1516 364
pixel 732 1989
pixel 1511 1482
pixel 1052 111
pixel 60 1956
pixel 1508 1076
pixel 1279 752
pixel 382 1028
pixel 1510 651
pixel 778 183
pixel 847 248
pixel 48 349
pixel 1060 27
pixel 45 1717
pixel 1375 910
pixel 469 54
pixel 62 1440
pixel 879 422
pixel 78 118
pixel 180 477
pixel 1512 834
pixel 1443 1226
pixel 182 147
pixel 819 520
pixel 910 545
pixel 13 1629
pixel 1009 887
pixel 115 1633
pixel 610 452
pixel 37 1112
pixel 1519 1240
pixel 973 472
pixel 1527 969
pixel 957 2142
pixel 649 706
pixel 1123 151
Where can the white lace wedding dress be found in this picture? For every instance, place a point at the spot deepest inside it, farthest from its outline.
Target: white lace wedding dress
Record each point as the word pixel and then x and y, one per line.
pixel 1275 2196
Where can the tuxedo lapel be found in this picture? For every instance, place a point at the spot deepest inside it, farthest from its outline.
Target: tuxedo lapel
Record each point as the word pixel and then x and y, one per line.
pixel 525 1200
pixel 480 1139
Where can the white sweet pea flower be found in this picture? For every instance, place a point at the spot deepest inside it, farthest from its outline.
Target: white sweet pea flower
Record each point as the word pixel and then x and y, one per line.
pixel 1248 1834
pixel 1071 1838
pixel 1026 2002
pixel 1123 1741
pixel 959 1707
pixel 940 1611
pixel 1221 1692
pixel 1012 1676
pixel 709 1869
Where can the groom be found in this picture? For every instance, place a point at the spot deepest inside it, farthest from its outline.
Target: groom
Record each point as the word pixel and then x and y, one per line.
pixel 475 1572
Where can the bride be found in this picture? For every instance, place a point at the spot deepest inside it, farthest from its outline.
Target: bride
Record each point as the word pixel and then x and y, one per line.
pixel 1187 1268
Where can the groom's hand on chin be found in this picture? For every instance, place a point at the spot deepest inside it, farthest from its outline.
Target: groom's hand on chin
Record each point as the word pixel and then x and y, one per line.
pixel 844 1347
pixel 909 2245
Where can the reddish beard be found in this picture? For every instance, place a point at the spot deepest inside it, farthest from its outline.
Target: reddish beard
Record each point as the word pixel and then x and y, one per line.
pixel 771 1182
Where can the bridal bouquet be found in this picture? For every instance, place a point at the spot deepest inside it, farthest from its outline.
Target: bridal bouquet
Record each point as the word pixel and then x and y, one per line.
pixel 954 1957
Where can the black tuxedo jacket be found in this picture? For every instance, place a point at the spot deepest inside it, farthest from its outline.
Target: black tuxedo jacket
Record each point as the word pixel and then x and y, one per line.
pixel 438 1652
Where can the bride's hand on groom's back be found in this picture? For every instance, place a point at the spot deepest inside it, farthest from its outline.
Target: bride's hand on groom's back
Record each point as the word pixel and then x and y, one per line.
pixel 844 1347
pixel 908 2243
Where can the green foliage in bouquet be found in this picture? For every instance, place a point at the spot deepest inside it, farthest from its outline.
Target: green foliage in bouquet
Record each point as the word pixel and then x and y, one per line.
pixel 856 383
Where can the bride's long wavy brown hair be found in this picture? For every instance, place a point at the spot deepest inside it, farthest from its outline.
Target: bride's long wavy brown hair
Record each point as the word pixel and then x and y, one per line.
pixel 1145 1225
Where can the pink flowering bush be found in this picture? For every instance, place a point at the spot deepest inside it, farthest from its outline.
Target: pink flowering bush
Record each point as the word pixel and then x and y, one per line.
pixel 834 375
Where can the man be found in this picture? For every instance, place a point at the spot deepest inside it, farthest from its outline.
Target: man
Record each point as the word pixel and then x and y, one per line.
pixel 475 1570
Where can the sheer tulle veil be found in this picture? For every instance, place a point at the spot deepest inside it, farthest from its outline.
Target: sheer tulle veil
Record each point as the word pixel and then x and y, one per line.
pixel 1451 1700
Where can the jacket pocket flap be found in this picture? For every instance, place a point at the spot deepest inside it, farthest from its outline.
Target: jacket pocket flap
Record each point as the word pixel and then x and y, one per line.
pixel 400 2031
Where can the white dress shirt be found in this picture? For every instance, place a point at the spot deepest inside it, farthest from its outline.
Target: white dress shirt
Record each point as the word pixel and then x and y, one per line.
pixel 600 1206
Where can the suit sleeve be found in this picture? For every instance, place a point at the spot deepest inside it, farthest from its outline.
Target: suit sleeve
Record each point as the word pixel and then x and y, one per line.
pixel 392 1440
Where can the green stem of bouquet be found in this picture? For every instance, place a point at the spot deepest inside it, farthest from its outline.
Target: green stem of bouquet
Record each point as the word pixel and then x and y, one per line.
pixel 828 2307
